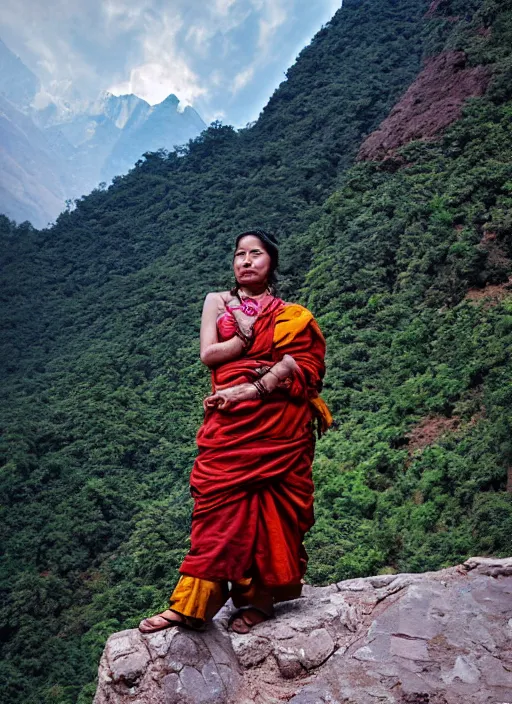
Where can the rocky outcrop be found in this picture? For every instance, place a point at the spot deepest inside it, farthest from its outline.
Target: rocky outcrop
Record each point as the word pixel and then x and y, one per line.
pixel 435 6
pixel 429 106
pixel 434 638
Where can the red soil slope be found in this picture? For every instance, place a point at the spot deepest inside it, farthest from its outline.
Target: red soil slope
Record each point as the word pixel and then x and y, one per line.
pixel 431 103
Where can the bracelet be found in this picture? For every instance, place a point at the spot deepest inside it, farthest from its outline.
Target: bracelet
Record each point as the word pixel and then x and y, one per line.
pixel 245 338
pixel 271 372
pixel 260 388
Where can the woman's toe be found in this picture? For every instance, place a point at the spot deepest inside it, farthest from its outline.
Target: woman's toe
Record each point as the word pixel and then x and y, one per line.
pixel 239 625
pixel 252 617
pixel 159 621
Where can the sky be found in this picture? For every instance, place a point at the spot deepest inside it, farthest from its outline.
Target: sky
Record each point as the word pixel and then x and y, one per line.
pixel 223 57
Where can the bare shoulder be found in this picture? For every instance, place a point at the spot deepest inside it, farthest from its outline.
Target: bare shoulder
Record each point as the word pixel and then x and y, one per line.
pixel 216 300
pixel 214 296
pixel 225 296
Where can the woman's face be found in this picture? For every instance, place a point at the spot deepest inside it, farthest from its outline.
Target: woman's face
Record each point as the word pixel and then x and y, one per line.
pixel 251 262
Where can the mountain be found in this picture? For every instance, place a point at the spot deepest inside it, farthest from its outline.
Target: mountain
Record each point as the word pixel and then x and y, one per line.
pixel 403 251
pixel 150 133
pixel 121 109
pixel 33 175
pixel 61 151
pixel 79 126
pixel 32 185
pixel 17 83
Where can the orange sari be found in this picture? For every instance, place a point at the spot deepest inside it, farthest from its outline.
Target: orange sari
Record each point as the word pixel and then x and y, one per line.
pixel 251 482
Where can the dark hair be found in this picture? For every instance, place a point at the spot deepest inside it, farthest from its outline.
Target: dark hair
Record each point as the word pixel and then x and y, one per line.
pixel 271 247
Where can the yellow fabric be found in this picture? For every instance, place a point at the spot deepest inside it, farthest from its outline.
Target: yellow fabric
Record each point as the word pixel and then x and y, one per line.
pixel 201 599
pixel 197 598
pixel 291 321
pixel 322 412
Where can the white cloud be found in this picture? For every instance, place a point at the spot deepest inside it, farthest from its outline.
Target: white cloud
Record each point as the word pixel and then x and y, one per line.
pixel 206 53
pixel 216 78
pixel 122 16
pixel 242 79
pixel 164 68
pixel 274 15
pixel 155 81
pixel 200 37
pixel 223 6
pixel 217 115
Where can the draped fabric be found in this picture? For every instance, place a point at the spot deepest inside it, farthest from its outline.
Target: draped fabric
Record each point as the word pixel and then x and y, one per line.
pixel 251 481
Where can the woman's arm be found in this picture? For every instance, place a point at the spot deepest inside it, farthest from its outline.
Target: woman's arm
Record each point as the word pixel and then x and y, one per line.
pixel 307 348
pixel 278 373
pixel 225 398
pixel 214 352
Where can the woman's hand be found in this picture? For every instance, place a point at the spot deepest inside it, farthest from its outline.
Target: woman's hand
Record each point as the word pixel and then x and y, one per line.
pixel 225 398
pixel 245 322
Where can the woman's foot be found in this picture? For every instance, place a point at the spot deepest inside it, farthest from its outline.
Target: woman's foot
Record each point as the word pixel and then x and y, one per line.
pixel 244 619
pixel 166 619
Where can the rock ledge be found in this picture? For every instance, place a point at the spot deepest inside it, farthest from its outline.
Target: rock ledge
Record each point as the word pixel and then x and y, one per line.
pixel 433 638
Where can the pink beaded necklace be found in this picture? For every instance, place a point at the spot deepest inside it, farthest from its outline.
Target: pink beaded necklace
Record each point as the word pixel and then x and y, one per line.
pixel 249 306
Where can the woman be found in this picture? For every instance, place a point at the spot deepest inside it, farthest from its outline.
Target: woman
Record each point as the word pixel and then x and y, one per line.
pixel 251 482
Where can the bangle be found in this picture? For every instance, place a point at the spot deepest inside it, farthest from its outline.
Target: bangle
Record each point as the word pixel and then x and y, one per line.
pixel 260 388
pixel 277 377
pixel 245 339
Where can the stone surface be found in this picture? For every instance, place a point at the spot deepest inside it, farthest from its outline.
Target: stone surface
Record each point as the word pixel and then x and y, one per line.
pixel 168 667
pixel 435 638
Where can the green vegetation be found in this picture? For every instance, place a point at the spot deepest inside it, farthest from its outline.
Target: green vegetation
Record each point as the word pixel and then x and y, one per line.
pixel 396 255
pixel 103 386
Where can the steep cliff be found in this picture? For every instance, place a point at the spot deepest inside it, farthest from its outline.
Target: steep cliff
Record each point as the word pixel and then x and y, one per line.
pixel 432 102
pixel 398 258
pixel 434 638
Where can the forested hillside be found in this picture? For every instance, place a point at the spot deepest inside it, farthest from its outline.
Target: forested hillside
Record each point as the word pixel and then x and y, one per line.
pixel 404 261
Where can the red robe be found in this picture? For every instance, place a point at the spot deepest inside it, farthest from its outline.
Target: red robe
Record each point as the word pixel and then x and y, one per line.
pixel 251 482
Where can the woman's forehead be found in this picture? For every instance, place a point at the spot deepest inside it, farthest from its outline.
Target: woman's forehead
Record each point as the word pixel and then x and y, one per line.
pixel 249 241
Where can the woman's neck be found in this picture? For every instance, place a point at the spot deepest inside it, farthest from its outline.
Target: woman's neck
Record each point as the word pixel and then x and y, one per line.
pixel 256 292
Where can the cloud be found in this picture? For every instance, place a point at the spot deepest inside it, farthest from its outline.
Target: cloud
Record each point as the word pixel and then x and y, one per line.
pixel 274 15
pixel 217 115
pixel 199 36
pixel 155 81
pixel 122 16
pixel 164 68
pixel 223 6
pixel 221 56
pixel 242 79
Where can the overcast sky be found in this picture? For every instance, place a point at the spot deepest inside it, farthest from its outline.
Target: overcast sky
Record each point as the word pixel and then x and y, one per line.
pixel 224 57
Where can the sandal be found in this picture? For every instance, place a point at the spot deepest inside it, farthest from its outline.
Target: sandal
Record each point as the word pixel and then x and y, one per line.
pixel 243 620
pixel 145 626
